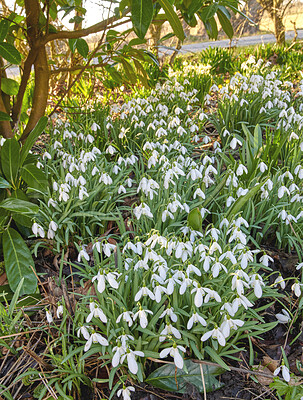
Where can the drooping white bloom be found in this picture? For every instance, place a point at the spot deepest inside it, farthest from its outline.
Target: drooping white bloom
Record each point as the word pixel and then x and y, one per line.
pixel 131 359
pixel 215 334
pixel 95 338
pixel 283 317
pixel 169 330
pixel 84 331
pixel 125 392
pixel 175 353
pixel 142 314
pixel 38 230
pixel 49 317
pixel 59 311
pixel 296 288
pixel 95 311
pixel 195 318
pixel 127 316
pixel 285 372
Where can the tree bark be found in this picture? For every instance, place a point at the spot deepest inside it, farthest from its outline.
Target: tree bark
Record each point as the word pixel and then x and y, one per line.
pixel 155 31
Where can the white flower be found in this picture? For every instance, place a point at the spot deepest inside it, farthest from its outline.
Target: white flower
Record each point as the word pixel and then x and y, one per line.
pixel 59 311
pixel 144 291
pixel 83 253
pixel 96 312
pixel 127 317
pixel 84 331
pixel 284 317
pixel 256 282
pixel 125 392
pixel 95 338
pixel 52 228
pixel 194 319
pixel 170 312
pixel 215 334
pixel 49 317
pixel 285 372
pixel 279 281
pixel 38 230
pixel 142 317
pixel 95 127
pixel 175 353
pixel 169 330
pixel 296 288
pixel 131 360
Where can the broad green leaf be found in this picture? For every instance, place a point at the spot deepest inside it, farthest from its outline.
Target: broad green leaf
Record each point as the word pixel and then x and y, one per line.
pixel 72 44
pixel 208 12
pixel 167 377
pixel 82 47
pixel 10 159
pixel 225 23
pixel 4 25
pixel 32 137
pixel 211 27
pixel 129 72
pixel 34 177
pixel 194 219
pixel 19 206
pixel 4 184
pixel 9 86
pixel 18 262
pixel 10 53
pixel 4 116
pixel 141 16
pixel 194 7
pixel 173 19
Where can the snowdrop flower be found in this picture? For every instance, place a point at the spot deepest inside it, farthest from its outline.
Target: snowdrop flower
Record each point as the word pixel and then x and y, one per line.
pixel 169 312
pixel 296 288
pixel 52 230
pixel 262 167
pixel 299 266
pixel 95 312
pixel 174 352
pixel 46 155
pixel 285 372
pixel 229 324
pixel 49 317
pixel 83 330
pixel 282 190
pixel 169 330
pixel 144 291
pixel 279 281
pixel 284 317
pixel 127 317
pixel 241 169
pixel 59 311
pixel 215 334
pixel 111 150
pixel 126 392
pixel 95 338
pixel 142 317
pixel 83 253
pixel 95 127
pixel 131 360
pixel 257 283
pixel 195 318
pixel 38 230
pixel 234 142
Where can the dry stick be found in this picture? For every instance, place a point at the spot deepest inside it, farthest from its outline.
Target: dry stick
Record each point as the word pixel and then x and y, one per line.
pixel 49 388
pixel 203 381
pixel 21 333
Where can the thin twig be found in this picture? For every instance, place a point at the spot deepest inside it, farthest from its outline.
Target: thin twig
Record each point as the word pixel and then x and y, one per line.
pixel 203 382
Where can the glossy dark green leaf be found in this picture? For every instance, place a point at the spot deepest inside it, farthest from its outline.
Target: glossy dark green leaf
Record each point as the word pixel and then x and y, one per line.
pixel 10 159
pixel 19 206
pixel 168 376
pixel 141 16
pixel 10 53
pixel 225 23
pixel 72 44
pixel 82 47
pixel 4 25
pixel 208 12
pixel 4 116
pixel 34 177
pixel 173 19
pixel 32 137
pixel 4 184
pixel 9 86
pixel 211 27
pixel 194 219
pixel 18 262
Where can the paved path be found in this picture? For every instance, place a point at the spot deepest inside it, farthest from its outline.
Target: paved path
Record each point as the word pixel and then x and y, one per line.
pixel 244 41
pixel 13 72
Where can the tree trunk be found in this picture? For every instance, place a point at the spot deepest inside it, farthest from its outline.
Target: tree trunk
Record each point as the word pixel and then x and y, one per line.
pixel 155 31
pixel 279 26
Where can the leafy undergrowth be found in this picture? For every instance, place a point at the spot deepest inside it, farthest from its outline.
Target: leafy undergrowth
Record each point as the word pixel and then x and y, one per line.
pixel 167 245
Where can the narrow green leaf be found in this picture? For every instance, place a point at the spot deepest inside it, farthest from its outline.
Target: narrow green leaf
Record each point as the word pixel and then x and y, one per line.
pixel 18 262
pixel 173 19
pixel 214 355
pixel 141 16
pixel 194 219
pixel 10 53
pixel 10 159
